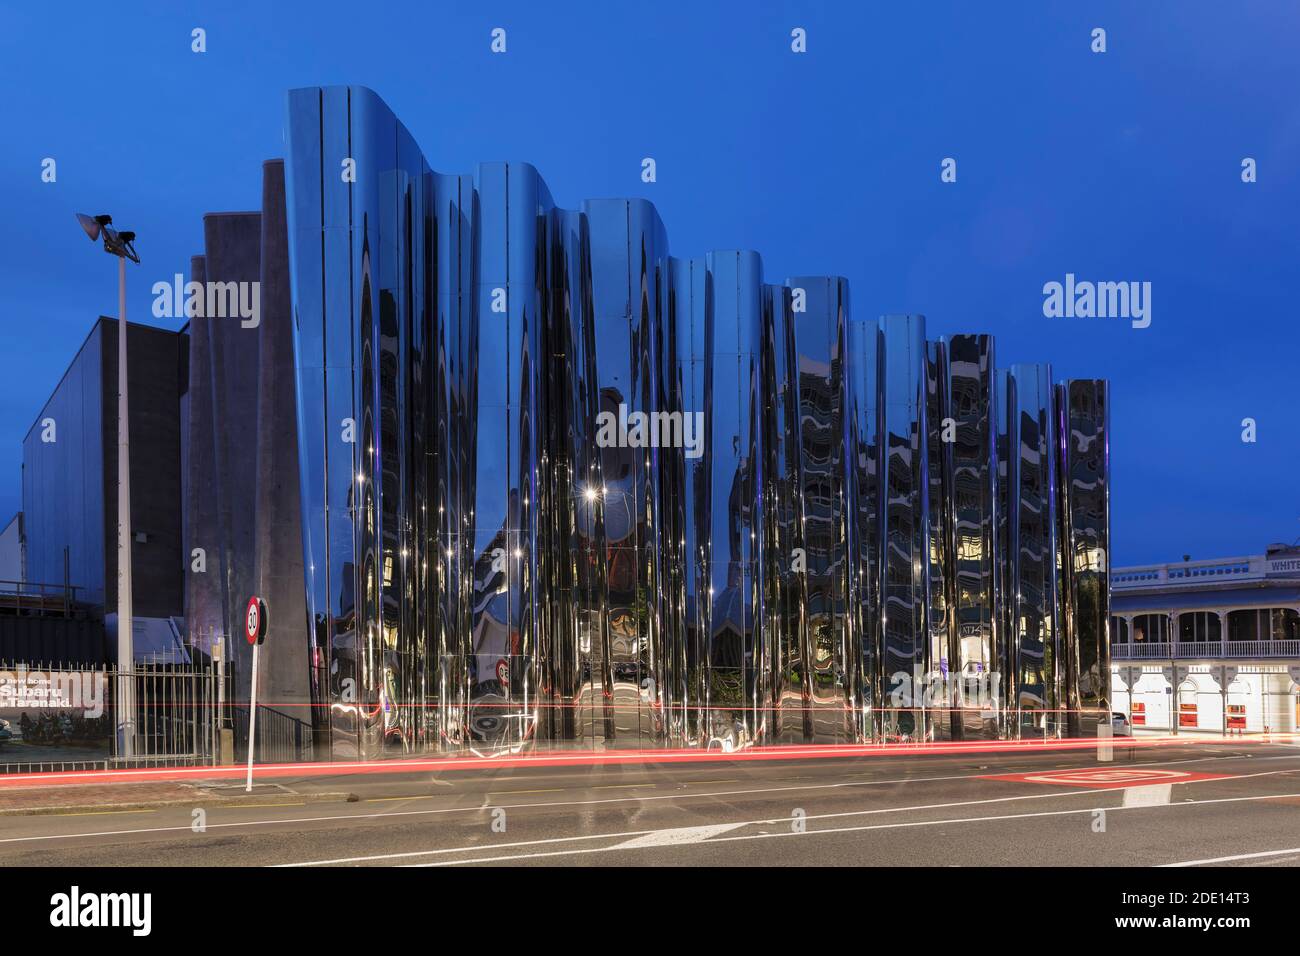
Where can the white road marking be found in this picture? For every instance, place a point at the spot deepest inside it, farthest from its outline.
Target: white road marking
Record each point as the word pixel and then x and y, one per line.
pixel 1157 795
pixel 1229 859
pixel 1117 775
pixel 678 836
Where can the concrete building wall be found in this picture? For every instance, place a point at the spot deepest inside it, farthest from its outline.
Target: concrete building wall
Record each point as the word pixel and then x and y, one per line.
pixel 205 606
pixel 12 554
pixel 63 478
pixel 154 385
pixel 242 499
pixel 277 525
pixel 70 473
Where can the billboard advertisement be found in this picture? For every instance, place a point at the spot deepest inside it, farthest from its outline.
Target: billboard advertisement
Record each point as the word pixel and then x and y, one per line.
pixel 53 715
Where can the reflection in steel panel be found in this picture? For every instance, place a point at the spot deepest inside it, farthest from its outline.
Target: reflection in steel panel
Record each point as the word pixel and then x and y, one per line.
pixel 692 314
pixel 820 344
pixel 904 527
pixel 732 497
pixel 1083 416
pixel 558 486
pixel 864 375
pixel 941 650
pixel 970 523
pixel 789 680
pixel 628 250
pixel 1031 550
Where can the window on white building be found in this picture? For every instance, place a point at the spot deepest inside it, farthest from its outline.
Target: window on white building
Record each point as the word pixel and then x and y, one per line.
pixel 1151 629
pixel 1196 626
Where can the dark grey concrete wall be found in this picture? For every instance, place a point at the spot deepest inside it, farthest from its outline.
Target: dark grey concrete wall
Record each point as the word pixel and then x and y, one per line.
pixel 205 603
pixel 277 529
pixel 243 501
pixel 232 253
pixel 154 383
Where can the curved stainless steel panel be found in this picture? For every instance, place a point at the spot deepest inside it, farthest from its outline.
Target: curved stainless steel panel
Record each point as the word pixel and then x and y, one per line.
pixel 788 677
pixel 557 485
pixel 628 250
pixel 904 528
pixel 821 341
pixel 692 316
pixel 971 371
pixel 1031 551
pixel 1083 407
pixel 941 649
pixel 733 486
pixel 865 421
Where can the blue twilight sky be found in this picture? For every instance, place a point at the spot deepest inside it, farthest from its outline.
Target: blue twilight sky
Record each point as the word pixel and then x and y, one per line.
pixel 1117 166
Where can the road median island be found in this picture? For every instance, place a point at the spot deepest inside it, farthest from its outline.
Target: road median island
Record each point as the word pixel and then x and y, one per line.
pixel 112 797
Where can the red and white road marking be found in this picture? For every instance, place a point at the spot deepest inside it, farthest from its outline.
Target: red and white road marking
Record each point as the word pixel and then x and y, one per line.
pixel 1109 778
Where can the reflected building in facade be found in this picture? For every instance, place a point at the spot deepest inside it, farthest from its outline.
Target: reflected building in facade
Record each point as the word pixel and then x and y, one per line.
pixel 559 485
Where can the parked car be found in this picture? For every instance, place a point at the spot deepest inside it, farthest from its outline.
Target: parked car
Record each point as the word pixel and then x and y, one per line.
pixel 1119 725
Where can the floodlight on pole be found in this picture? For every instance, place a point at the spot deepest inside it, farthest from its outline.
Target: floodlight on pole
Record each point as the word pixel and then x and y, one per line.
pixel 91 224
pixel 122 245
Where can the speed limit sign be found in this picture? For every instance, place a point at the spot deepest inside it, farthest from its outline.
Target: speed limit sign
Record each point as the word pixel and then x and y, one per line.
pixel 255 620
pixel 255 631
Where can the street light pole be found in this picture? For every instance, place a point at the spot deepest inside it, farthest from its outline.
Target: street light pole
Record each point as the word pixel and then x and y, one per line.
pixel 125 618
pixel 122 245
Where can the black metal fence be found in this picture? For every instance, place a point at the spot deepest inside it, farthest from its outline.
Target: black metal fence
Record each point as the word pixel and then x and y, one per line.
pixel 37 597
pixel 280 737
pixel 50 621
pixel 177 713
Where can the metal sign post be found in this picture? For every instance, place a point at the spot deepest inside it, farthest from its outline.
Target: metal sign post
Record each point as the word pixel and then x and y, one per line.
pixel 255 631
pixel 217 693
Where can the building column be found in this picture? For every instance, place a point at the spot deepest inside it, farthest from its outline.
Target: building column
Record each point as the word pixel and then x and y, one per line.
pixel 1173 696
pixel 1176 697
pixel 1267 707
pixel 1222 675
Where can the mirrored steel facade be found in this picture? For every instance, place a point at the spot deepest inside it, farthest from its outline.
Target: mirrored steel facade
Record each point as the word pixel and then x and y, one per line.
pixel 1083 429
pixel 561 486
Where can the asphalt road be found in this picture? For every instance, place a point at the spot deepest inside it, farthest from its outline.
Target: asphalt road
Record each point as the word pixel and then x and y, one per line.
pixel 1206 804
